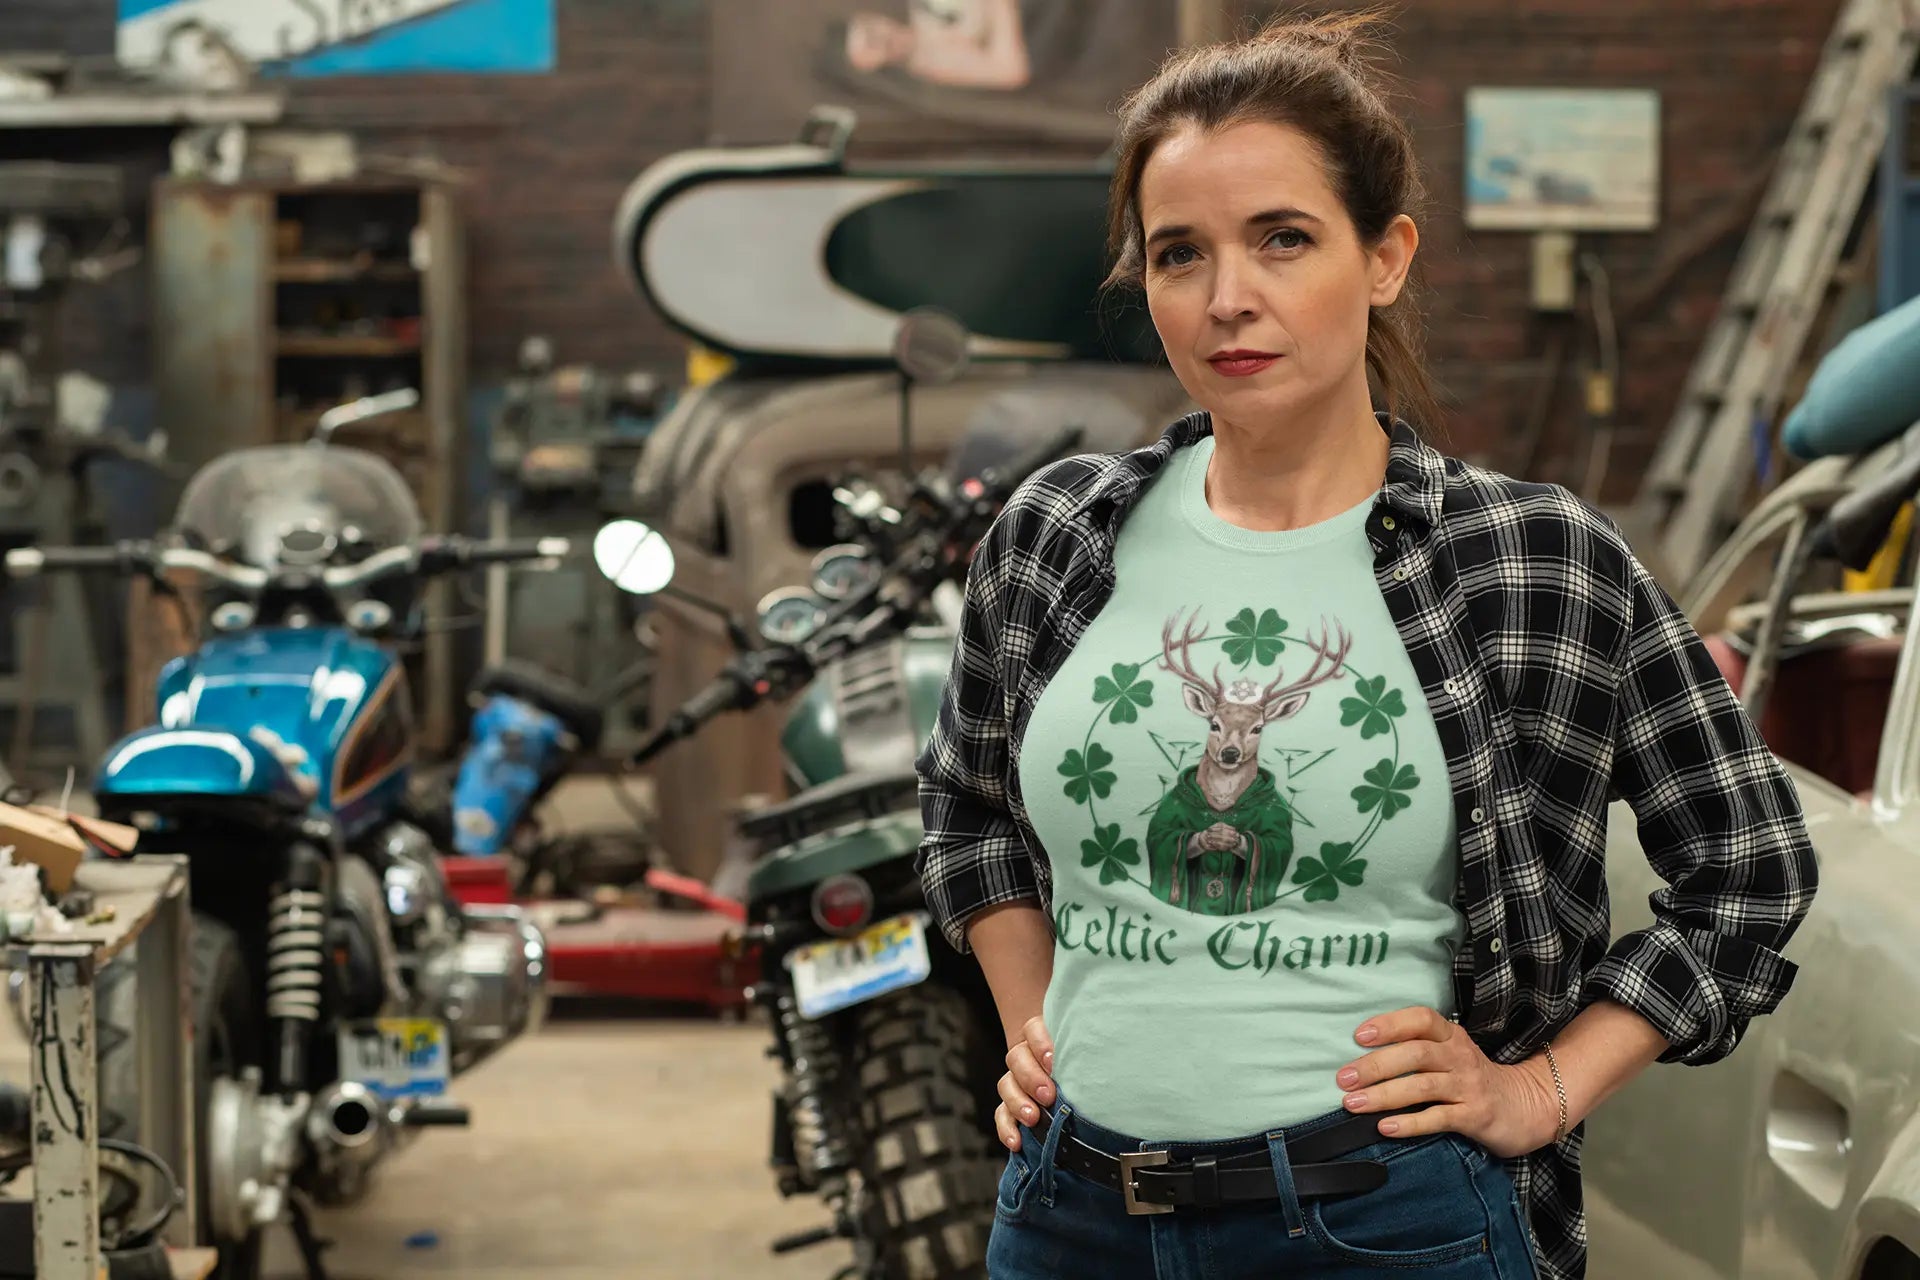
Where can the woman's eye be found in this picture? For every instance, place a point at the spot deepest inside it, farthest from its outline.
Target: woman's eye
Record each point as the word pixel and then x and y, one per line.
pixel 1179 255
pixel 1289 238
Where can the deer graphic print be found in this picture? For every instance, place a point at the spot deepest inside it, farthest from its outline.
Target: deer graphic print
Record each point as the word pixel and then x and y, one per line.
pixel 1221 839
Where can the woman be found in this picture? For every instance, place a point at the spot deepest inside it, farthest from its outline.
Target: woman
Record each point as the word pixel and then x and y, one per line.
pixel 1270 784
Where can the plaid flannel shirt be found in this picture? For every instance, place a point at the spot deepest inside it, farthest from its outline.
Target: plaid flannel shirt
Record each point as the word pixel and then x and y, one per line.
pixel 1560 677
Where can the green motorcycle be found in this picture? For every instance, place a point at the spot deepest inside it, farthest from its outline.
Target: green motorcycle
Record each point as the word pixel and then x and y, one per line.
pixel 891 1046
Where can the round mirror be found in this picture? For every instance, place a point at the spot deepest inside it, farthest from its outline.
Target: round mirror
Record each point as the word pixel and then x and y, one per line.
pixel 930 345
pixel 633 556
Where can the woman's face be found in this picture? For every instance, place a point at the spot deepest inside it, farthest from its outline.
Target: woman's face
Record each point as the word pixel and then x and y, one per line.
pixel 1255 276
pixel 875 41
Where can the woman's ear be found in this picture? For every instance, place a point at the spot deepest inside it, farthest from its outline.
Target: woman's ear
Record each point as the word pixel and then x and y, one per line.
pixel 1392 258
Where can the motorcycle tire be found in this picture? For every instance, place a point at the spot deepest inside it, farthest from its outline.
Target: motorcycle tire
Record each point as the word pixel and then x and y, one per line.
pixel 930 1162
pixel 226 1037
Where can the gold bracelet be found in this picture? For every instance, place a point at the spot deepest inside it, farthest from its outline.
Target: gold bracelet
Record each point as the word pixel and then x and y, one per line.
pixel 1560 1130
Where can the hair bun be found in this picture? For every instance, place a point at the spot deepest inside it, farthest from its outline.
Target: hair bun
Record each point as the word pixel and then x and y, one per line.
pixel 1348 37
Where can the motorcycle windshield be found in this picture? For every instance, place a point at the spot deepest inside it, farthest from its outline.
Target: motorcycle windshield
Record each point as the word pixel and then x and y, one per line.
pixel 243 504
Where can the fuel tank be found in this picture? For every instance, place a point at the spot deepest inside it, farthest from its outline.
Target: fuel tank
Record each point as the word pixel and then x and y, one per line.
pixel 870 712
pixel 318 710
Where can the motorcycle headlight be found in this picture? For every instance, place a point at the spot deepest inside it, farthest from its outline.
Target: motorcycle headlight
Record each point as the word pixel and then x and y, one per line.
pixel 633 557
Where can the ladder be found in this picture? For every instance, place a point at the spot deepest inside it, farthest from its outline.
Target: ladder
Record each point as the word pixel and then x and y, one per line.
pixel 1705 462
pixel 1899 203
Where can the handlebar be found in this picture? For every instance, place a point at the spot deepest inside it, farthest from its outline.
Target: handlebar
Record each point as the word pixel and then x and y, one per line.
pixel 432 556
pixel 957 516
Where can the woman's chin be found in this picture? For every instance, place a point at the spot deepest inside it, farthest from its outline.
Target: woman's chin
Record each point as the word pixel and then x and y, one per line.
pixel 1265 396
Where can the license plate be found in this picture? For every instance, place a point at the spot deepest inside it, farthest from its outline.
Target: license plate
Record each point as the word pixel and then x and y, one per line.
pixel 396 1057
pixel 828 976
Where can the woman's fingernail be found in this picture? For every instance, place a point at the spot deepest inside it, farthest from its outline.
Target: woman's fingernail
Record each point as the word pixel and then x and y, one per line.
pixel 1349 1077
pixel 1027 1112
pixel 1048 1056
pixel 1389 1126
pixel 1355 1101
pixel 1368 1035
pixel 1044 1094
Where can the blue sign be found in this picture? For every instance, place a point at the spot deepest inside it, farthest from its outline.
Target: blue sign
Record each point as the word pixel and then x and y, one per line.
pixel 193 38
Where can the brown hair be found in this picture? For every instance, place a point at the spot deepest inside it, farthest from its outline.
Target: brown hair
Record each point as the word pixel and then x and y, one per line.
pixel 1315 74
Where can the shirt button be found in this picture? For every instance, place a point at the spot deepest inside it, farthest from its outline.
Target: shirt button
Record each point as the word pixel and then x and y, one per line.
pixel 1400 574
pixel 1478 814
pixel 1451 686
pixel 1386 522
pixel 1494 946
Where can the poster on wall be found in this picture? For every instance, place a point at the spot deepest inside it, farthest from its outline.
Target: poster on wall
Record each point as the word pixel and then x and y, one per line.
pixel 193 39
pixel 933 69
pixel 1563 159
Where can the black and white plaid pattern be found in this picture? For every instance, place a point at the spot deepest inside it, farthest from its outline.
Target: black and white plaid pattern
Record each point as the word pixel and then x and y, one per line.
pixel 1560 677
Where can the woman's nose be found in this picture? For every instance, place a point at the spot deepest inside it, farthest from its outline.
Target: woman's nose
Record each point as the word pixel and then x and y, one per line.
pixel 1233 295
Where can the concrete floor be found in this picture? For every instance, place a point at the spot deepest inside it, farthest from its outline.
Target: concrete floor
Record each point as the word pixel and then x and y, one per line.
pixel 604 1146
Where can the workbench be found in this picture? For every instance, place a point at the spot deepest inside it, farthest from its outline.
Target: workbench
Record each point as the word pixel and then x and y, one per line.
pixel 148 898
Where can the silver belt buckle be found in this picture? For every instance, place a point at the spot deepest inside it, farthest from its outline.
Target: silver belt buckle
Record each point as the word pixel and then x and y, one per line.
pixel 1129 1161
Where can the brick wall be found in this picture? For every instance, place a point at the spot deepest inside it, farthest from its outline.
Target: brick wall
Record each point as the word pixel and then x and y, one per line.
pixel 1730 74
pixel 550 155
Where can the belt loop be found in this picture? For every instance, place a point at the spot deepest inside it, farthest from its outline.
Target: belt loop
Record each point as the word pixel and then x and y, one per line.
pixel 1283 1183
pixel 1050 1150
pixel 1206 1182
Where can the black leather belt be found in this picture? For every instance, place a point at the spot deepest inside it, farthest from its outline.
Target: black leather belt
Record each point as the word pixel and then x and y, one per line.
pixel 1152 1182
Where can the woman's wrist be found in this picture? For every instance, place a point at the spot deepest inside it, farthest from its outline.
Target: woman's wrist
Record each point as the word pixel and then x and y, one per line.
pixel 1544 1116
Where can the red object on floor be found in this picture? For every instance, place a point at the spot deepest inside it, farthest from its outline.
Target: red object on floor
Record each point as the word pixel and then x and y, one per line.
pixel 477 880
pixel 653 955
pixel 646 953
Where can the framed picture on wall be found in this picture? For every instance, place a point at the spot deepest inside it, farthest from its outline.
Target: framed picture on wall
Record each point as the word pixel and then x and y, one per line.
pixel 197 41
pixel 933 69
pixel 1563 159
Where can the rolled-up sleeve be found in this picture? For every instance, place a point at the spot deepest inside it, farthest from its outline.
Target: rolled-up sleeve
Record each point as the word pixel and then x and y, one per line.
pixel 1720 821
pixel 972 855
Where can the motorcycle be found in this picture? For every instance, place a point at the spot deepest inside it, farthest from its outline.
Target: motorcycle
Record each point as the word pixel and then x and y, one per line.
pixel 889 1048
pixel 337 986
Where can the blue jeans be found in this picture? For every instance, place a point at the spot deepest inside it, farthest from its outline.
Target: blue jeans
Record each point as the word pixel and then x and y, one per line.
pixel 1447 1212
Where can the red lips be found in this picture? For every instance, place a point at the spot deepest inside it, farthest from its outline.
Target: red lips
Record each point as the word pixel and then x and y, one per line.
pixel 1242 364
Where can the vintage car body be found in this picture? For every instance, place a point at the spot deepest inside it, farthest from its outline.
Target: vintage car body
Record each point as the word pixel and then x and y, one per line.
pixel 1797 1157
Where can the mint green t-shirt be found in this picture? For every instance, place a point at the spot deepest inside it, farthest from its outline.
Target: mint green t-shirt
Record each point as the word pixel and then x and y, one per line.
pixel 1245 804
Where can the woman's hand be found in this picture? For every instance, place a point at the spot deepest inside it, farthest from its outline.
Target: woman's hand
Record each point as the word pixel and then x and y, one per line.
pixel 1029 1080
pixel 1420 1057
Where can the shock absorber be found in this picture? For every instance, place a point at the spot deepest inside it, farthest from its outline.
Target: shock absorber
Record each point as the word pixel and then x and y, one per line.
pixel 820 1141
pixel 296 934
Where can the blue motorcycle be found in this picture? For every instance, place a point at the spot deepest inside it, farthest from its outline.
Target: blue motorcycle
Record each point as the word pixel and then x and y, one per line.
pixel 336 984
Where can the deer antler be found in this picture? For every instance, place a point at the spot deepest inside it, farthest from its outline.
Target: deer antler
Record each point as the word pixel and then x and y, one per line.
pixel 1314 675
pixel 1182 665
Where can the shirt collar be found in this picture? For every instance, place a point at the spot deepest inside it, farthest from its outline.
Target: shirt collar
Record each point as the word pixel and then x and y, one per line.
pixel 1415 483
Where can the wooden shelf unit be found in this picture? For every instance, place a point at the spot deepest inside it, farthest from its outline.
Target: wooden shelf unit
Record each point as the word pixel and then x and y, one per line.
pixel 264 294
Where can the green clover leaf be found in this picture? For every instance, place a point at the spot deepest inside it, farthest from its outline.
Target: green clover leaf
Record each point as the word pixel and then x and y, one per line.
pixel 1125 691
pixel 1088 775
pixel 1386 788
pixel 1370 709
pixel 1255 641
pixel 1324 875
pixel 1110 853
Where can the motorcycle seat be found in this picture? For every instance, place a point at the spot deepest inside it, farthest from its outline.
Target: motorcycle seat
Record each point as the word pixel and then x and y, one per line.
pixel 566 701
pixel 857 795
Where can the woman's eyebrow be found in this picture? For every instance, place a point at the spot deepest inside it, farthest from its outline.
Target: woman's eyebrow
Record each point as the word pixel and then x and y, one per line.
pixel 1267 218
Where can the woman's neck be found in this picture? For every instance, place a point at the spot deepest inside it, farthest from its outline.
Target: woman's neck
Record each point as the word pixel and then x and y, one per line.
pixel 1273 477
